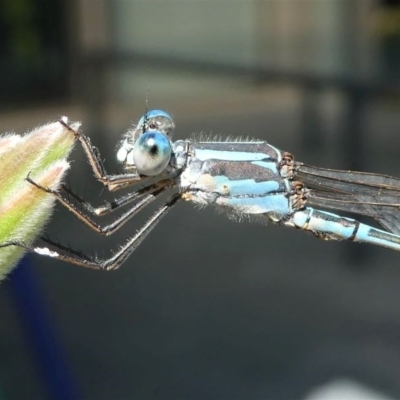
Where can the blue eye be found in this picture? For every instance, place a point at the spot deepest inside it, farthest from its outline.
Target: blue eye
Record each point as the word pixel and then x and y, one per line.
pixel 151 153
pixel 157 120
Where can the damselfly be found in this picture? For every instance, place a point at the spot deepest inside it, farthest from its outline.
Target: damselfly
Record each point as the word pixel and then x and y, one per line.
pixel 245 178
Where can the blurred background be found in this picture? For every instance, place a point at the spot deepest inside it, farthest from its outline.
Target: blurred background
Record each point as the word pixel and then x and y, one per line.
pixel 206 308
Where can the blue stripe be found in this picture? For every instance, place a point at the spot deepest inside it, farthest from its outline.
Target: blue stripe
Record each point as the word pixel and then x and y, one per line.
pixel 243 187
pixel 276 203
pixel 204 155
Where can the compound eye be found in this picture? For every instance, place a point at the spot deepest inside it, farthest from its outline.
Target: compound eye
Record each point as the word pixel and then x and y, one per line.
pixel 151 153
pixel 156 120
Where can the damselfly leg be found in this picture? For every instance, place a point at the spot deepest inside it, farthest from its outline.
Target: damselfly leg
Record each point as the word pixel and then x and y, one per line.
pixel 112 182
pixel 143 197
pixel 60 252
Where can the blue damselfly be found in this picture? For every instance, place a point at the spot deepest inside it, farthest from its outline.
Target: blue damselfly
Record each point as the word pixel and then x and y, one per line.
pixel 251 178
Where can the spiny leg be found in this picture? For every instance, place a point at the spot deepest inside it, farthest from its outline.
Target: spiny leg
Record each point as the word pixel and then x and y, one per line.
pixel 108 207
pixel 105 209
pixel 146 195
pixel 122 219
pixel 63 253
pixel 112 182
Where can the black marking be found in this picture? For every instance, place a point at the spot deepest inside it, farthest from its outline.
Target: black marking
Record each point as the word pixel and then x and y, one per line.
pixel 383 236
pixel 153 150
pixel 346 222
pixel 249 147
pixel 356 227
pixel 239 170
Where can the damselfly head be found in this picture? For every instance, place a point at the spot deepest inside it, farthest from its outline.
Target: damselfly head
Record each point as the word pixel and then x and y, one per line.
pixel 148 147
